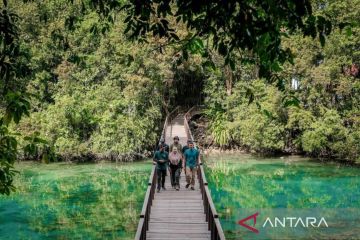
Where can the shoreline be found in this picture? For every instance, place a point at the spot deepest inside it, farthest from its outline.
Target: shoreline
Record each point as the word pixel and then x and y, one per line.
pixel 214 152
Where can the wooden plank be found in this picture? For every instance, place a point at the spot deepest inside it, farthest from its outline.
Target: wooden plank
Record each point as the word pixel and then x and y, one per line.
pixel 181 235
pixel 184 198
pixel 179 201
pixel 178 220
pixel 178 238
pixel 189 224
pixel 169 197
pixel 181 205
pixel 163 202
pixel 179 229
pixel 176 211
pixel 178 214
pixel 182 190
pixel 191 219
pixel 176 225
pixel 178 208
pixel 165 229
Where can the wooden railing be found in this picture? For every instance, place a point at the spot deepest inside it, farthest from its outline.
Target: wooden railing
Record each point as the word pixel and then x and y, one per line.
pixel 143 225
pixel 212 217
pixel 168 120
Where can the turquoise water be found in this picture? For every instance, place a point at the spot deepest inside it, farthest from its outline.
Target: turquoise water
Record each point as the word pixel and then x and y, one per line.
pixel 103 201
pixel 70 201
pixel 243 185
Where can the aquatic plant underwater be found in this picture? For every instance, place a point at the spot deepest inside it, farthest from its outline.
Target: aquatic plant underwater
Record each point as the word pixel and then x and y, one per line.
pixel 77 201
pixel 103 201
pixel 242 185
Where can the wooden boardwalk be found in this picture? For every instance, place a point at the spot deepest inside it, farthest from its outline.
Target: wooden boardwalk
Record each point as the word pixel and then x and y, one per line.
pixel 178 214
pixel 184 214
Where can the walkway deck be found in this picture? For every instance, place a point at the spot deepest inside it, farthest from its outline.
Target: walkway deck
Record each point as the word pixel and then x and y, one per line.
pixel 178 214
pixel 184 214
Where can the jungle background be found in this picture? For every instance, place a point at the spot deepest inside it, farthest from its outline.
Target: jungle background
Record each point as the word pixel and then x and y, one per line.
pixel 87 91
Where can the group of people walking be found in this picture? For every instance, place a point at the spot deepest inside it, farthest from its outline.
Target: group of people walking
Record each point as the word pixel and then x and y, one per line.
pixel 175 158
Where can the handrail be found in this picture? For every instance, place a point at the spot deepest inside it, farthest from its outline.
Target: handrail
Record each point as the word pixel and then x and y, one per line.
pixel 168 119
pixel 143 224
pixel 209 208
pixel 212 217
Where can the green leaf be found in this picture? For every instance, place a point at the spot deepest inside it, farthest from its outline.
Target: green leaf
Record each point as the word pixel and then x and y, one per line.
pixel 275 66
pixel 250 95
pixel 294 101
pixel 348 31
pixel 267 113
pixel 174 36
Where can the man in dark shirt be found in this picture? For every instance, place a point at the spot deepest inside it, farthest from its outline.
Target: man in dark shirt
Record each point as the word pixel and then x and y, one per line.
pixel 166 147
pixel 161 158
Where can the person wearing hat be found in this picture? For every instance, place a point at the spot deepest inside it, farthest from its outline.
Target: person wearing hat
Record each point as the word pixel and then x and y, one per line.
pixel 191 156
pixel 175 165
pixel 176 144
pixel 161 159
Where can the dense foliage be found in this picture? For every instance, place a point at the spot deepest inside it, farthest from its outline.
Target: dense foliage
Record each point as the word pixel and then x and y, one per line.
pixel 89 92
pixel 314 110
pixel 96 95
pixel 231 26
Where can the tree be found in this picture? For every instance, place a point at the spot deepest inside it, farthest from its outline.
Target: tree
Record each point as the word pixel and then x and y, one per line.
pixel 257 26
pixel 13 101
pixel 322 85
